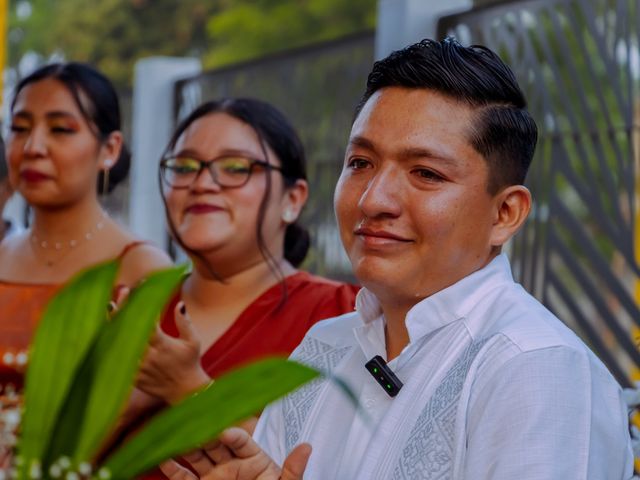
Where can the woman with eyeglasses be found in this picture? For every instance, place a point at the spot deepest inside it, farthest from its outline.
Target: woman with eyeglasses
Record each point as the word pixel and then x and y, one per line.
pixel 234 183
pixel 64 148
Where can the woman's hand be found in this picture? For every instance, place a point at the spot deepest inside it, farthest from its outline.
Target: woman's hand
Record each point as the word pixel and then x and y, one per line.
pixel 171 369
pixel 236 455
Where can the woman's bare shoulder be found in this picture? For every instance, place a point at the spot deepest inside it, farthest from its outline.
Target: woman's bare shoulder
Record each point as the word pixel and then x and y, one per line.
pixel 138 259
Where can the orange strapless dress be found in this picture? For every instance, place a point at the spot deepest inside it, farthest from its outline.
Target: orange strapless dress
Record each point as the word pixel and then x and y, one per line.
pixel 21 306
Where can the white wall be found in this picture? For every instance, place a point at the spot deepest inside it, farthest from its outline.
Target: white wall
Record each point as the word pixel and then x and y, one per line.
pixel 402 22
pixel 152 126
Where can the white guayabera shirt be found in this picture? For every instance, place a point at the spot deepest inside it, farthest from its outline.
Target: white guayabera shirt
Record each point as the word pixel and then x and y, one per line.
pixel 495 387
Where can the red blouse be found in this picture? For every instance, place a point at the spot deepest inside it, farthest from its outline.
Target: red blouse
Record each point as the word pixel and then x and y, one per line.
pixel 267 328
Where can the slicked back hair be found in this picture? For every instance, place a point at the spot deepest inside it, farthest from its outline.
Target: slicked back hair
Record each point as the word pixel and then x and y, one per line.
pixel 504 132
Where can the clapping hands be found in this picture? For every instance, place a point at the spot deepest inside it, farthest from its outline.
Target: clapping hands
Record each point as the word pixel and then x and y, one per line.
pixel 236 455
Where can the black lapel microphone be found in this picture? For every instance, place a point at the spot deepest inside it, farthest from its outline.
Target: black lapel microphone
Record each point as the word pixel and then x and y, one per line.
pixel 379 370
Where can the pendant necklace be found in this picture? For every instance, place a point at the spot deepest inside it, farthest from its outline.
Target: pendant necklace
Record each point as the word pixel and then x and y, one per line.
pixel 42 248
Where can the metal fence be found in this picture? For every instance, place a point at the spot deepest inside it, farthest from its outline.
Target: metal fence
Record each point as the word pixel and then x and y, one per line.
pixel 317 87
pixel 579 64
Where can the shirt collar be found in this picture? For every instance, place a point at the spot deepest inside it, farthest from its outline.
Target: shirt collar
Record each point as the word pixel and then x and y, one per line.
pixel 445 306
pixel 367 306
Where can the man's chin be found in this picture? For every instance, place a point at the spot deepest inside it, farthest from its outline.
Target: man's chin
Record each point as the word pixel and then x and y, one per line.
pixel 375 278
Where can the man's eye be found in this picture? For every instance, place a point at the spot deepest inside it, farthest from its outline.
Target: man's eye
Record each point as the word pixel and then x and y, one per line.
pixel 427 174
pixel 358 163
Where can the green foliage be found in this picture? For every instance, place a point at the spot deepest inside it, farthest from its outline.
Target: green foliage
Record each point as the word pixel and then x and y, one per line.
pixel 113 34
pixel 81 374
pixel 69 326
pixel 199 418
pixel 247 29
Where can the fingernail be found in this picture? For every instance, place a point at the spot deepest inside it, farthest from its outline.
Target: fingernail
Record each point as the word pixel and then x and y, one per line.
pixel 111 306
pixel 183 309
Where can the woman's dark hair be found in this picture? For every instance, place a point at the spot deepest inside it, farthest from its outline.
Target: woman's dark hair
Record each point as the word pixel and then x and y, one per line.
pixel 96 99
pixel 274 130
pixel 504 132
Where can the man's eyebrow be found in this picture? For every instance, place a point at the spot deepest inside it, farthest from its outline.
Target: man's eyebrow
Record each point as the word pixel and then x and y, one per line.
pixel 408 153
pixel 359 141
pixel 422 152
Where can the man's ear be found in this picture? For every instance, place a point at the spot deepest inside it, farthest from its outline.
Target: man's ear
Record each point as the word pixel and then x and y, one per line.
pixel 512 209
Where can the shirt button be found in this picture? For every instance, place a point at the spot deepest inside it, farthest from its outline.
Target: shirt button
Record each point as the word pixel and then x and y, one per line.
pixel 369 403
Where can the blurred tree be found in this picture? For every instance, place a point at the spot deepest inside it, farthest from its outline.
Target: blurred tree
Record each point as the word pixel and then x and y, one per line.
pixel 249 28
pixel 113 34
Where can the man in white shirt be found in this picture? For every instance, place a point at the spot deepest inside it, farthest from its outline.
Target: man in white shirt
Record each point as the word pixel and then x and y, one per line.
pixel 494 385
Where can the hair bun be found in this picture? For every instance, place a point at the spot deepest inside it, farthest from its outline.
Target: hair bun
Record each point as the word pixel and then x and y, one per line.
pixel 296 244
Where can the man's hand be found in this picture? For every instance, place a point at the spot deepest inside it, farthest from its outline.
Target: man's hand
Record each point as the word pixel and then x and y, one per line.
pixel 171 369
pixel 235 455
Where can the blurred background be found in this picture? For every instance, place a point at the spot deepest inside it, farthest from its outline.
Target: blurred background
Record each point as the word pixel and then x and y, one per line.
pixel 577 60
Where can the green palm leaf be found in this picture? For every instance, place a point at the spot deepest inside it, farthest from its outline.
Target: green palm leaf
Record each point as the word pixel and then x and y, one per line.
pixel 67 329
pixel 83 368
pixel 116 357
pixel 203 416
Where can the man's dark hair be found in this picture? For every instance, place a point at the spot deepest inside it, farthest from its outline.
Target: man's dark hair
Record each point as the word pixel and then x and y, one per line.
pixel 504 132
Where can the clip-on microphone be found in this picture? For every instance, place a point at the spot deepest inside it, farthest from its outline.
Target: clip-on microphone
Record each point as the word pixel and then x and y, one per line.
pixel 379 370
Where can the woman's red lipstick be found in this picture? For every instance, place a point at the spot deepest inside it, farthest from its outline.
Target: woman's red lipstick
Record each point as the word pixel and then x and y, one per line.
pixel 33 176
pixel 201 208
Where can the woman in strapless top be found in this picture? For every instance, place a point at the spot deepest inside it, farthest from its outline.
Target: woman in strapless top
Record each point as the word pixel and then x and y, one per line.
pixel 64 148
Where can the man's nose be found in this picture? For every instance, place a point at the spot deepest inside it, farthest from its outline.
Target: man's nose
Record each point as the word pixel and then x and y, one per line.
pixel 382 195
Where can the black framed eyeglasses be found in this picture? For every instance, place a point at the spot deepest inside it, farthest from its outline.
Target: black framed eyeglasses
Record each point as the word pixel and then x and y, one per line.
pixel 228 171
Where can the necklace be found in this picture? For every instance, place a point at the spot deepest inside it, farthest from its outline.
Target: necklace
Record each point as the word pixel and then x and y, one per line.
pixel 42 248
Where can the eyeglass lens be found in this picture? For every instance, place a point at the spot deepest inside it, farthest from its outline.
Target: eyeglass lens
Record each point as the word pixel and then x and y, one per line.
pixel 232 171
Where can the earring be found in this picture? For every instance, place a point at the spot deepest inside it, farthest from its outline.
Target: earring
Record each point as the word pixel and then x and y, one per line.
pixel 105 176
pixel 288 216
